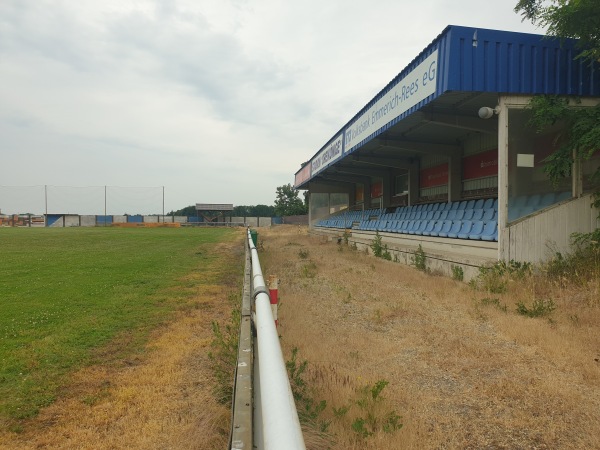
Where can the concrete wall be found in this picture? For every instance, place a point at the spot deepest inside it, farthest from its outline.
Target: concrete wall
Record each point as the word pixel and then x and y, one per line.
pixel 88 221
pixel 251 221
pixel 264 221
pixel 440 254
pixel 119 219
pixel 151 219
pixel 179 219
pixel 71 220
pixel 296 220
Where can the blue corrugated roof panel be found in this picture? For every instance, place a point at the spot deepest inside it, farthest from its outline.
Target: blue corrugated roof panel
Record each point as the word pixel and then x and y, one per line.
pixel 516 63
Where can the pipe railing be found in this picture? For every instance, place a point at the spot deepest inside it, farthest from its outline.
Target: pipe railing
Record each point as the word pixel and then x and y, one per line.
pixel 276 424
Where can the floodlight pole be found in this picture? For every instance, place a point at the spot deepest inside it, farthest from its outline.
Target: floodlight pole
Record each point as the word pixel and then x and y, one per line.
pixel 104 205
pixel 163 214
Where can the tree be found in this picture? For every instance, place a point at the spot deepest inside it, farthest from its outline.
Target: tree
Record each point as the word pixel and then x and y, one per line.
pixel 579 19
pixel 288 203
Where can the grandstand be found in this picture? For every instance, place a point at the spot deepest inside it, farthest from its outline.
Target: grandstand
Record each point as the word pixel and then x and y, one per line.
pixel 442 158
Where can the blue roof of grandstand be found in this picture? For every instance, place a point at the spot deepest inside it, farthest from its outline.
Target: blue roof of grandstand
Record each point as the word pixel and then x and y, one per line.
pixel 463 60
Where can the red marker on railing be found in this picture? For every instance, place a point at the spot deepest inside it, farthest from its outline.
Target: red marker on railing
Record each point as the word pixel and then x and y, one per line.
pixel 273 282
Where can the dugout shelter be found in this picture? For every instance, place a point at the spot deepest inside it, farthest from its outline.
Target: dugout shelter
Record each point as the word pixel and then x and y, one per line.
pixel 443 156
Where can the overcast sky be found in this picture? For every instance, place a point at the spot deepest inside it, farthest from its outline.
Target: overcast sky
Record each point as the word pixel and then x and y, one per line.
pixel 219 101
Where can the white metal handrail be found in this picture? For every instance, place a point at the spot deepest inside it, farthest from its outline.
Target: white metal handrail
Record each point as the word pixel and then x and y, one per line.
pixel 280 424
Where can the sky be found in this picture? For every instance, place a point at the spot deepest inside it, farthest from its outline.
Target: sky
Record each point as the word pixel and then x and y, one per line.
pixel 217 101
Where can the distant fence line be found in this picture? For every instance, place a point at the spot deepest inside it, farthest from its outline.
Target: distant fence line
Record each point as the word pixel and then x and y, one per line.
pixel 105 200
pixel 76 220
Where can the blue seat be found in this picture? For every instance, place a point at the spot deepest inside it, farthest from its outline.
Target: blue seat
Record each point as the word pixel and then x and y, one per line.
pixel 408 224
pixel 495 204
pixel 490 231
pixel 445 231
pixel 534 200
pixel 423 224
pixel 563 196
pixel 465 229
pixel 547 199
pixel 477 214
pixel 436 228
pixel 415 226
pixel 459 214
pixel 470 204
pixel 443 215
pixel 455 205
pixel 429 228
pixel 478 204
pixel 476 230
pixel 456 226
pixel 445 206
pixel 489 203
pixel 518 202
pixel 452 214
pixel 442 231
pixel 462 205
pixel 488 214
pixel 468 214
pixel 436 215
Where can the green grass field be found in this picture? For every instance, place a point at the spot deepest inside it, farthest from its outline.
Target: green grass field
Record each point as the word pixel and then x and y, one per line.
pixel 67 293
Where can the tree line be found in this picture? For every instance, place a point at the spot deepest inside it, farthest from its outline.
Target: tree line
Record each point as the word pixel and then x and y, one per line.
pixel 287 203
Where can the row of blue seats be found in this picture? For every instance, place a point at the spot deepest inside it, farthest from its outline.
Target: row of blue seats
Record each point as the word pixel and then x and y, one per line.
pixel 427 211
pixel 460 229
pixel 524 205
pixel 453 214
pixel 448 206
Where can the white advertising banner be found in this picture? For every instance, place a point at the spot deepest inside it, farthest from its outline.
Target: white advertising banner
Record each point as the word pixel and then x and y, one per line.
pixel 330 153
pixel 415 87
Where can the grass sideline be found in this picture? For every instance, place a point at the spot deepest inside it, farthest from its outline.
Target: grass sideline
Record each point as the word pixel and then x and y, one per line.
pixel 68 293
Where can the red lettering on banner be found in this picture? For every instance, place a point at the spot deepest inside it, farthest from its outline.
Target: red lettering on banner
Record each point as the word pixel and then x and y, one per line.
pixel 481 165
pixel 434 176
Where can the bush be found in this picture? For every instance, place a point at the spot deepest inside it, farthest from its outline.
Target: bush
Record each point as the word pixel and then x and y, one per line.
pixel 419 259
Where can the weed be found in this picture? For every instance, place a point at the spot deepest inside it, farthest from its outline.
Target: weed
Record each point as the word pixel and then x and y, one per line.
pixel 495 278
pixel 309 409
pixel 386 254
pixel 354 246
pixel 371 420
pixel 377 246
pixel 303 253
pixel 419 260
pixel 223 356
pixel 346 236
pixel 494 302
pixel 538 308
pixel 457 273
pixel 309 270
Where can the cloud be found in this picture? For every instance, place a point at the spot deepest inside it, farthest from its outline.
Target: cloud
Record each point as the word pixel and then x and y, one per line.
pixel 219 99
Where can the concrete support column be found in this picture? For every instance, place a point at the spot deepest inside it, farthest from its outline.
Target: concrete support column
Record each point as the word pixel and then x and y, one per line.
pixel 387 189
pixel 413 183
pixel 367 194
pixel 454 178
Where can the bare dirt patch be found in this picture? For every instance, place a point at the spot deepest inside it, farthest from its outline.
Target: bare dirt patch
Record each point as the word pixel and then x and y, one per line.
pixel 464 370
pixel 159 398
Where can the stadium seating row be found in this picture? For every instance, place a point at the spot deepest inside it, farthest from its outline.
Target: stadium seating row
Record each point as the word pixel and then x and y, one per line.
pixel 467 219
pixel 460 229
pixel 524 205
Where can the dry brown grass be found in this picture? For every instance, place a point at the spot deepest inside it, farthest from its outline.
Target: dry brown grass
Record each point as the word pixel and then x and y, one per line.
pixel 159 399
pixel 462 372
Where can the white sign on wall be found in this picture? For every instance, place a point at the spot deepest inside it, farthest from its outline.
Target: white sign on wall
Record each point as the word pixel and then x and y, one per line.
pixel 330 153
pixel 415 87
